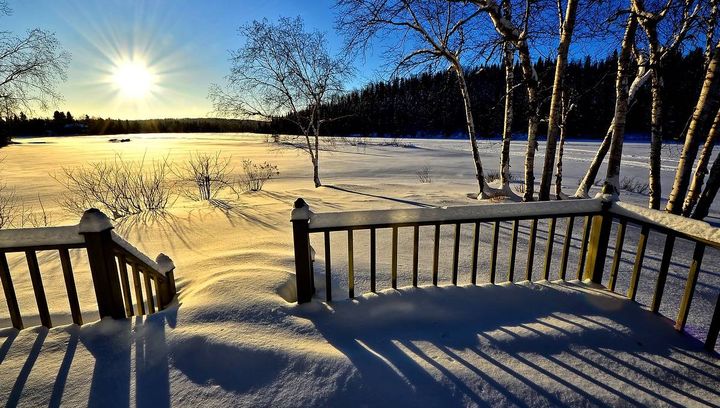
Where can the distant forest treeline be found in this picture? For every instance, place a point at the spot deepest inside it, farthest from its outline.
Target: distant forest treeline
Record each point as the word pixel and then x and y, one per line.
pixel 429 104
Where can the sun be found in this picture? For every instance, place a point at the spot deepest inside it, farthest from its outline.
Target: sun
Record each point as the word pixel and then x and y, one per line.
pixel 133 79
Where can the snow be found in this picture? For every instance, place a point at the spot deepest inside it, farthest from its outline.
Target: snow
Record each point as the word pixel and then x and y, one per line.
pixel 167 263
pixel 40 237
pixel 93 220
pixel 235 337
pixel 688 226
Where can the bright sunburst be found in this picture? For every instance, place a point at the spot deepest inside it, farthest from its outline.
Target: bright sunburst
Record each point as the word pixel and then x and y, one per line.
pixel 133 79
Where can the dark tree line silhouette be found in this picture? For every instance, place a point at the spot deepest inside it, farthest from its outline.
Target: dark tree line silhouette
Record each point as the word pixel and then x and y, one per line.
pixel 428 104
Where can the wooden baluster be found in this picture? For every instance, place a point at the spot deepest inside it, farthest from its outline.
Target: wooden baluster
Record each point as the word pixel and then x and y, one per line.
pixel 351 266
pixel 637 267
pixel 138 289
pixel 476 241
pixel 394 257
pixel 549 248
pixel 10 296
pixel 416 243
pixel 493 253
pixel 125 283
pixel 149 292
pixel 714 329
pixel 38 288
pixel 566 247
pixel 619 241
pixel 156 284
pixel 583 247
pixel 662 275
pixel 70 286
pixel 513 251
pixel 531 250
pixel 373 260
pixel 328 268
pixel 690 286
pixel 436 255
pixel 456 254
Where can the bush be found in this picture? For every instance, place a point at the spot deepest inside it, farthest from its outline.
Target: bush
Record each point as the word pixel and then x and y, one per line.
pixel 117 186
pixel 634 185
pixel 255 175
pixel 425 175
pixel 205 175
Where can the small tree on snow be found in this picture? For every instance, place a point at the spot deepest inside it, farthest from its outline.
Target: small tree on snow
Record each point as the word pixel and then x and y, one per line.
pixel 283 71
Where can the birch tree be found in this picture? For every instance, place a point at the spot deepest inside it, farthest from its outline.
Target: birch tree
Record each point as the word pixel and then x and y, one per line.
pixel 429 33
pixel 612 178
pixel 709 193
pixel 518 34
pixel 509 65
pixel 568 105
pixel 708 95
pixel 701 170
pixel 32 65
pixel 649 20
pixel 567 25
pixel 283 71
pixel 678 33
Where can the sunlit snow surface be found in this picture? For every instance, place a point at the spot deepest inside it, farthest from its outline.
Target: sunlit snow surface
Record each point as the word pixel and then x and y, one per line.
pixel 233 339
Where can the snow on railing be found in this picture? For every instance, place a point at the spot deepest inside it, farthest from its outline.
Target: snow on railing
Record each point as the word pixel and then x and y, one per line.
pixel 108 256
pixel 600 215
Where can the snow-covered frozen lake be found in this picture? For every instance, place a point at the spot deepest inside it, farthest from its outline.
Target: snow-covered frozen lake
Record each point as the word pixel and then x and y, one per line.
pixel 235 340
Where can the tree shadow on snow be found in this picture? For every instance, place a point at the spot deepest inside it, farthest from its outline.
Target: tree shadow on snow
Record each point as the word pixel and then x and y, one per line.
pixel 565 345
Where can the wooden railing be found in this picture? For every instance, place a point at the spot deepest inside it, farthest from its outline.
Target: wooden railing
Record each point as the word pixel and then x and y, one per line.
pixel 109 256
pixel 598 217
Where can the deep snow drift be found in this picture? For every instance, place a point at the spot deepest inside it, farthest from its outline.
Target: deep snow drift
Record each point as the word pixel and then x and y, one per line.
pixel 234 339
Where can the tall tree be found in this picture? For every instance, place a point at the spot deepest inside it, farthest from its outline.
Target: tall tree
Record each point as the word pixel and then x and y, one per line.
pixel 31 67
pixel 622 89
pixel 649 20
pixel 518 34
pixel 679 31
pixel 708 97
pixel 284 71
pixel 429 32
pixel 509 65
pixel 567 25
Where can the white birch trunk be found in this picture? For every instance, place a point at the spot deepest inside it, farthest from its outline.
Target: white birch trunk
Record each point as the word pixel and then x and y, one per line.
pixel 554 118
pixel 701 169
pixel 689 152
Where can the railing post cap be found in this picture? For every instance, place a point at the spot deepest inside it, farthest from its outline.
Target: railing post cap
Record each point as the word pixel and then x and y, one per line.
pixel 301 211
pixel 164 263
pixel 94 220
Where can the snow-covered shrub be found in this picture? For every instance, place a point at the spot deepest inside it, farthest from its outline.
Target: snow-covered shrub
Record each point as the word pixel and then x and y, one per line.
pixel 255 175
pixel 519 188
pixel 425 175
pixel 205 175
pixel 117 186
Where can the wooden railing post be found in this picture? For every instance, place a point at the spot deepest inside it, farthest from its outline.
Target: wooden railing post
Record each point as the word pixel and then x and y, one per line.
pixel 598 244
pixel 167 286
pixel 96 228
pixel 300 218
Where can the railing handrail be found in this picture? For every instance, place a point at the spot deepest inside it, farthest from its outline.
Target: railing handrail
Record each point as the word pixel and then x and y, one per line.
pixel 24 239
pixel 682 227
pixel 335 221
pixel 109 256
pixel 599 213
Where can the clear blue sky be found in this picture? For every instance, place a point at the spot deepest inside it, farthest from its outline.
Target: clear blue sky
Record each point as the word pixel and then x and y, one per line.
pixel 184 43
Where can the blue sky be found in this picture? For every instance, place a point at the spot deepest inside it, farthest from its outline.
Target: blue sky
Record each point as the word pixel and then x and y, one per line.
pixel 184 42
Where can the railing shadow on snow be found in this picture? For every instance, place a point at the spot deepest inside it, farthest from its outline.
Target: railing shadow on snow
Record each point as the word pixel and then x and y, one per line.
pixel 413 344
pixel 112 344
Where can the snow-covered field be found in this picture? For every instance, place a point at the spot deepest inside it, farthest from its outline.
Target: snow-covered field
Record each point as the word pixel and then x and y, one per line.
pixel 234 339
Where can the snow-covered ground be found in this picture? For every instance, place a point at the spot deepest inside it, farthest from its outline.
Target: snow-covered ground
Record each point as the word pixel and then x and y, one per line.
pixel 234 339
